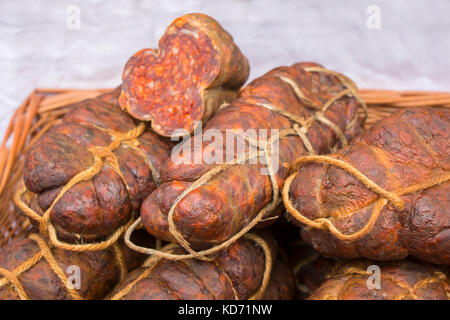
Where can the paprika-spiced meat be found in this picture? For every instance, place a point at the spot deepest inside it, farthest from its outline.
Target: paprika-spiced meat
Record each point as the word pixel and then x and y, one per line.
pixel 196 69
pixel 96 207
pixel 237 269
pixel 224 205
pixel 399 280
pixel 409 148
pixel 99 271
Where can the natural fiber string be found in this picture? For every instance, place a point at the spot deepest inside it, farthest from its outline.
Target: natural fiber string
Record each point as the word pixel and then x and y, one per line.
pixel 437 277
pixel 24 267
pixel 304 138
pixel 134 145
pixel 96 246
pixel 348 83
pixel 268 265
pixel 411 291
pixel 203 179
pixel 11 277
pixel 100 154
pixel 193 254
pixel 45 253
pixel 266 152
pixel 120 259
pixel 385 196
pixel 151 262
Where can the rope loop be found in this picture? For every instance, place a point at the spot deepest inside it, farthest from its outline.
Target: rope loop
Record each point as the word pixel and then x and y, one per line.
pixel 385 196
pixel 101 155
pixel 44 252
pixel 300 127
pixel 166 253
pixel 12 278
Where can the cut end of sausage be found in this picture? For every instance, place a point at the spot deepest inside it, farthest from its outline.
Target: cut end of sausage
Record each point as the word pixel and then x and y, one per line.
pixel 169 86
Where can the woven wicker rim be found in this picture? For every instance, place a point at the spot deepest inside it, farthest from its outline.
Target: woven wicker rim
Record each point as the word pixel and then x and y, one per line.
pixel 45 107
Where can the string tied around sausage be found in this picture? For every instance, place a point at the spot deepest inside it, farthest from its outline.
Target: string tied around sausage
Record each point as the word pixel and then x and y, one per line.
pixel 360 269
pixel 101 155
pixel 300 128
pixel 151 262
pixel 385 196
pixel 44 252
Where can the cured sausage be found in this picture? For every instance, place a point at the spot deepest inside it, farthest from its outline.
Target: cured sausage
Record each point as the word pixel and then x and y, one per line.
pixel 401 280
pixel 237 272
pixel 197 68
pixel 119 160
pixel 384 197
pixel 312 108
pixel 32 269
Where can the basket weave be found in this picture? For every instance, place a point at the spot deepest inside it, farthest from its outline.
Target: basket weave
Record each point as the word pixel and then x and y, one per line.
pixel 45 107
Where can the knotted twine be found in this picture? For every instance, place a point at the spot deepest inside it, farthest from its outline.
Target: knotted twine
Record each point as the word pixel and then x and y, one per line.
pixel 100 154
pixel 384 196
pixel 436 277
pixel 151 262
pixel 300 129
pixel 46 253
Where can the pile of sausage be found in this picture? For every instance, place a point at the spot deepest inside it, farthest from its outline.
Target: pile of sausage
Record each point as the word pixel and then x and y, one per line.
pixel 273 191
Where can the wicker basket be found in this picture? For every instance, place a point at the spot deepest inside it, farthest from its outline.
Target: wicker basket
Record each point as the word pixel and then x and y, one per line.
pixel 45 107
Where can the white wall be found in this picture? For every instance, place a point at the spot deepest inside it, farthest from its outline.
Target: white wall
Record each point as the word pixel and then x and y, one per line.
pixel 410 51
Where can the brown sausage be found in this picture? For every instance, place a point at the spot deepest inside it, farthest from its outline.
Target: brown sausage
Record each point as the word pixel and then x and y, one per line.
pixel 221 207
pixel 409 147
pixel 196 68
pixel 96 207
pixel 401 280
pixel 99 270
pixel 238 269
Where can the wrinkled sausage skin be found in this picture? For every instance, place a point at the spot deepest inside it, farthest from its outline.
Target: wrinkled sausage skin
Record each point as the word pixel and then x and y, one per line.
pixel 98 206
pixel 221 207
pixel 409 147
pixel 196 69
pixel 400 280
pixel 99 270
pixel 240 266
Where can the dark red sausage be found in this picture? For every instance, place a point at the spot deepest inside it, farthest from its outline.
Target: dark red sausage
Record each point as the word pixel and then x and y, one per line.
pixel 99 271
pixel 239 269
pixel 196 68
pixel 409 147
pixel 225 204
pixel 96 207
pixel 401 280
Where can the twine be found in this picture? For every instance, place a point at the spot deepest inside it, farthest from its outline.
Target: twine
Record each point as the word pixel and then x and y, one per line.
pixel 151 262
pixel 385 196
pixel 100 154
pixel 45 252
pixel 300 129
pixel 11 277
pixel 437 276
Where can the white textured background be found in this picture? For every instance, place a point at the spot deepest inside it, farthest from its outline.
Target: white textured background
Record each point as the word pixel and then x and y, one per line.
pixel 411 50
